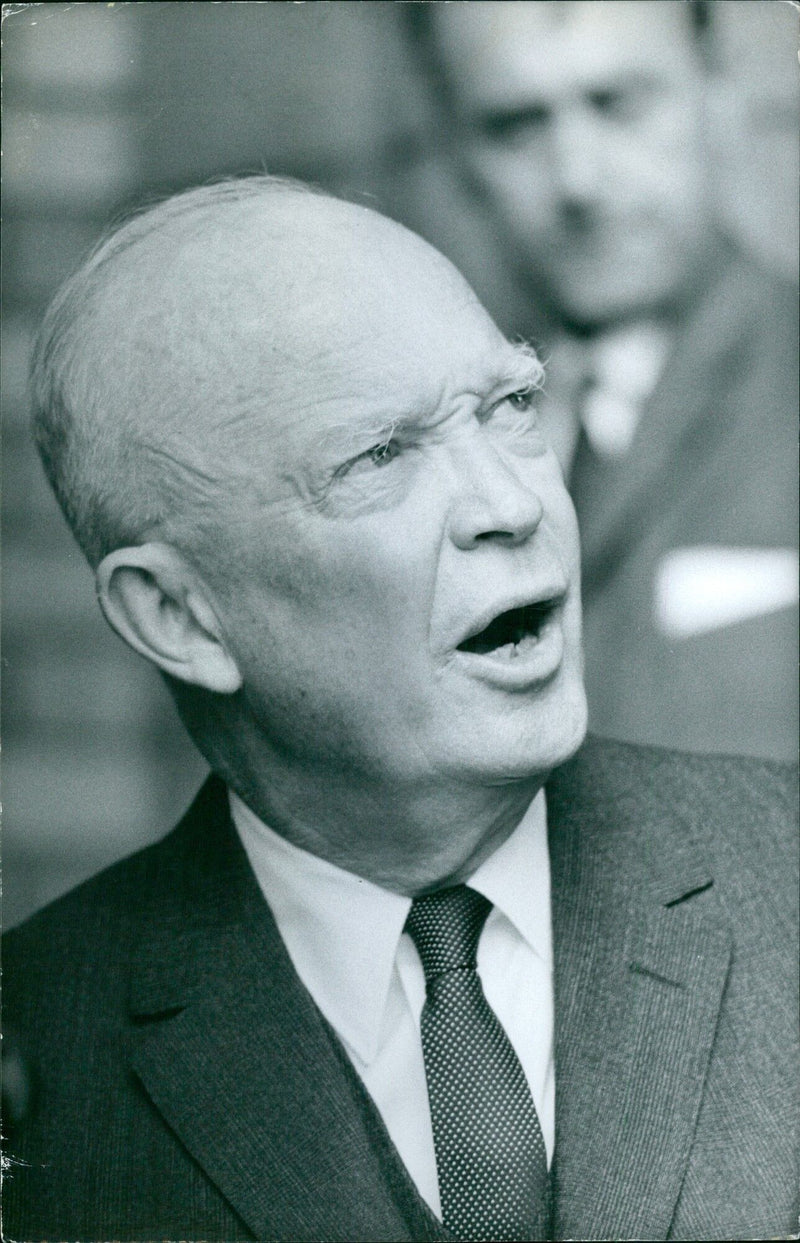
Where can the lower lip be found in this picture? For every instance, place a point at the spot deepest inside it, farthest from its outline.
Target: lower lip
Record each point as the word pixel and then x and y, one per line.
pixel 525 666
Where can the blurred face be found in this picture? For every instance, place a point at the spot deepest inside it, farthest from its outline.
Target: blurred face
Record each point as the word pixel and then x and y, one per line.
pixel 401 568
pixel 584 124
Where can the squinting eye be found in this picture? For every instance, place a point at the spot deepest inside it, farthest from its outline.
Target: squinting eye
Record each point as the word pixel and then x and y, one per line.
pixel 515 420
pixel 523 400
pixel 378 455
pixel 514 126
pixel 515 409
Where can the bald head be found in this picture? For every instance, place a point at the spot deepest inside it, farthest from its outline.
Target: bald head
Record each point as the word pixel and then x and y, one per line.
pixel 212 308
pixel 307 467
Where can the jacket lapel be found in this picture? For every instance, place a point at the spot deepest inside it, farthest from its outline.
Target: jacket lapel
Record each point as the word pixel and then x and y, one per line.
pixel 681 427
pixel 242 1066
pixel 640 965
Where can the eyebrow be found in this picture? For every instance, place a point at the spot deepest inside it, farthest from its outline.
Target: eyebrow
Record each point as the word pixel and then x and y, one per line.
pixel 525 366
pixel 495 120
pixel 519 369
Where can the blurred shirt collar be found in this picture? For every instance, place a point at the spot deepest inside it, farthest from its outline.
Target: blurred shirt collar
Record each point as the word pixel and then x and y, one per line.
pixel 624 366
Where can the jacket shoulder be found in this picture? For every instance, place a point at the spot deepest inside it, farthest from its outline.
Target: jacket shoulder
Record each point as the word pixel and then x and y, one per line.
pixel 93 908
pixel 681 778
pixel 95 922
pixel 741 812
pixel 723 777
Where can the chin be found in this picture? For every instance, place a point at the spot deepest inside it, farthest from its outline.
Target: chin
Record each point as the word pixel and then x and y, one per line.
pixel 542 750
pixel 615 299
pixel 528 744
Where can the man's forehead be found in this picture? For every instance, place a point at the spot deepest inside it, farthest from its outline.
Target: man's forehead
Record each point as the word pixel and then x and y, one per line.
pixel 225 251
pixel 318 309
pixel 305 262
pixel 268 286
pixel 405 377
pixel 489 46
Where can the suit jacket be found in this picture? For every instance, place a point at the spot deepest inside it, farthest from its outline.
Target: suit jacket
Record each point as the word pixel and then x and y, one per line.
pixel 713 462
pixel 185 1086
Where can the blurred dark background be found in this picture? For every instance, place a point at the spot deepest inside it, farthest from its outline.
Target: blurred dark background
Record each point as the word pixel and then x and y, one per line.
pixel 107 104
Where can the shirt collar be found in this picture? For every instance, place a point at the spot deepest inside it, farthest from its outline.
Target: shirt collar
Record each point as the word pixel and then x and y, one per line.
pixel 516 879
pixel 342 931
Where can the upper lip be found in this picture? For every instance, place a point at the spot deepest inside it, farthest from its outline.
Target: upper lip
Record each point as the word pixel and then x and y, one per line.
pixel 551 596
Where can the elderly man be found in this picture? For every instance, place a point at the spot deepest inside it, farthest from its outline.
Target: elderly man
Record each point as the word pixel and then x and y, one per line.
pixel 379 983
pixel 588 128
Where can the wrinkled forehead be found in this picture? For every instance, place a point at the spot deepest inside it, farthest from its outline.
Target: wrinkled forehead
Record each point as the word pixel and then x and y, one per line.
pixel 263 267
pixel 489 49
pixel 249 316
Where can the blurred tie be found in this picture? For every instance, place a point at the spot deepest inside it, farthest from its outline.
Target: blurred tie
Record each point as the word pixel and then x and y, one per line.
pixel 490 1153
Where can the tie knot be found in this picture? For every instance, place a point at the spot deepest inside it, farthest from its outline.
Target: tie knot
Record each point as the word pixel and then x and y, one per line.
pixel 446 927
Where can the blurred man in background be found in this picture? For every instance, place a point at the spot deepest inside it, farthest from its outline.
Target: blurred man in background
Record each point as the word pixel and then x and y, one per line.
pixel 588 128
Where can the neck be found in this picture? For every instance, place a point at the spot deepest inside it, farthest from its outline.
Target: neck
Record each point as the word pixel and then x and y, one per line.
pixel 405 837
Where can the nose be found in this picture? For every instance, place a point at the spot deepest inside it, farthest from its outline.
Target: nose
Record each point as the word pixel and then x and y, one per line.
pixel 575 153
pixel 492 504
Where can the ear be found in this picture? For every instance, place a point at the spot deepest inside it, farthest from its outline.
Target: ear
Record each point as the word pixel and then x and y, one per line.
pixel 156 604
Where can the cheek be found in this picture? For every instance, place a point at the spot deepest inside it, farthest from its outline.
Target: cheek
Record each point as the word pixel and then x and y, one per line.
pixel 517 180
pixel 666 153
pixel 563 529
pixel 561 516
pixel 340 586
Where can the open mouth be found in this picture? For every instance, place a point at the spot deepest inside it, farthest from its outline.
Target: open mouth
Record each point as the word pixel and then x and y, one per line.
pixel 510 630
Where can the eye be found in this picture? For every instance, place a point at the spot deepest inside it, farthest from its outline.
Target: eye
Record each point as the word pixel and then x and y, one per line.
pixel 379 455
pixel 618 103
pixel 514 125
pixel 605 100
pixel 514 418
pixel 517 410
pixel 376 456
pixel 524 400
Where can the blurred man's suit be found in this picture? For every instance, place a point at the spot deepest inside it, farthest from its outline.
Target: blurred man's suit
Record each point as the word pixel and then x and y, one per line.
pixel 223 1107
pixel 713 465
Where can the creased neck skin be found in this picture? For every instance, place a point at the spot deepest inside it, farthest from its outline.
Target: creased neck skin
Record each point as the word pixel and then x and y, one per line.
pixel 407 837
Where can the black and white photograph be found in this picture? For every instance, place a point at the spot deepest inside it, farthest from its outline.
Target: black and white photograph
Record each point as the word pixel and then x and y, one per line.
pixel 400 621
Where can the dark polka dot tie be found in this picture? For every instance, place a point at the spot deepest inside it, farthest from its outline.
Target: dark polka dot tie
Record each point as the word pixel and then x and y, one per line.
pixel 490 1154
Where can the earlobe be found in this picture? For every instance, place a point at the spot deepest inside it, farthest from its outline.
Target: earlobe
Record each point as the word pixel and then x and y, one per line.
pixel 151 598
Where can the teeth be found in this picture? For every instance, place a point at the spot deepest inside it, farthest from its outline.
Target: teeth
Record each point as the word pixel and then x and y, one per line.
pixel 508 631
pixel 509 651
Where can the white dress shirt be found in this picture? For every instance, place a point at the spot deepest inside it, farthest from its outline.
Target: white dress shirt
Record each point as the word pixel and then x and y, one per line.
pixel 602 385
pixel 345 937
pixel 626 364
